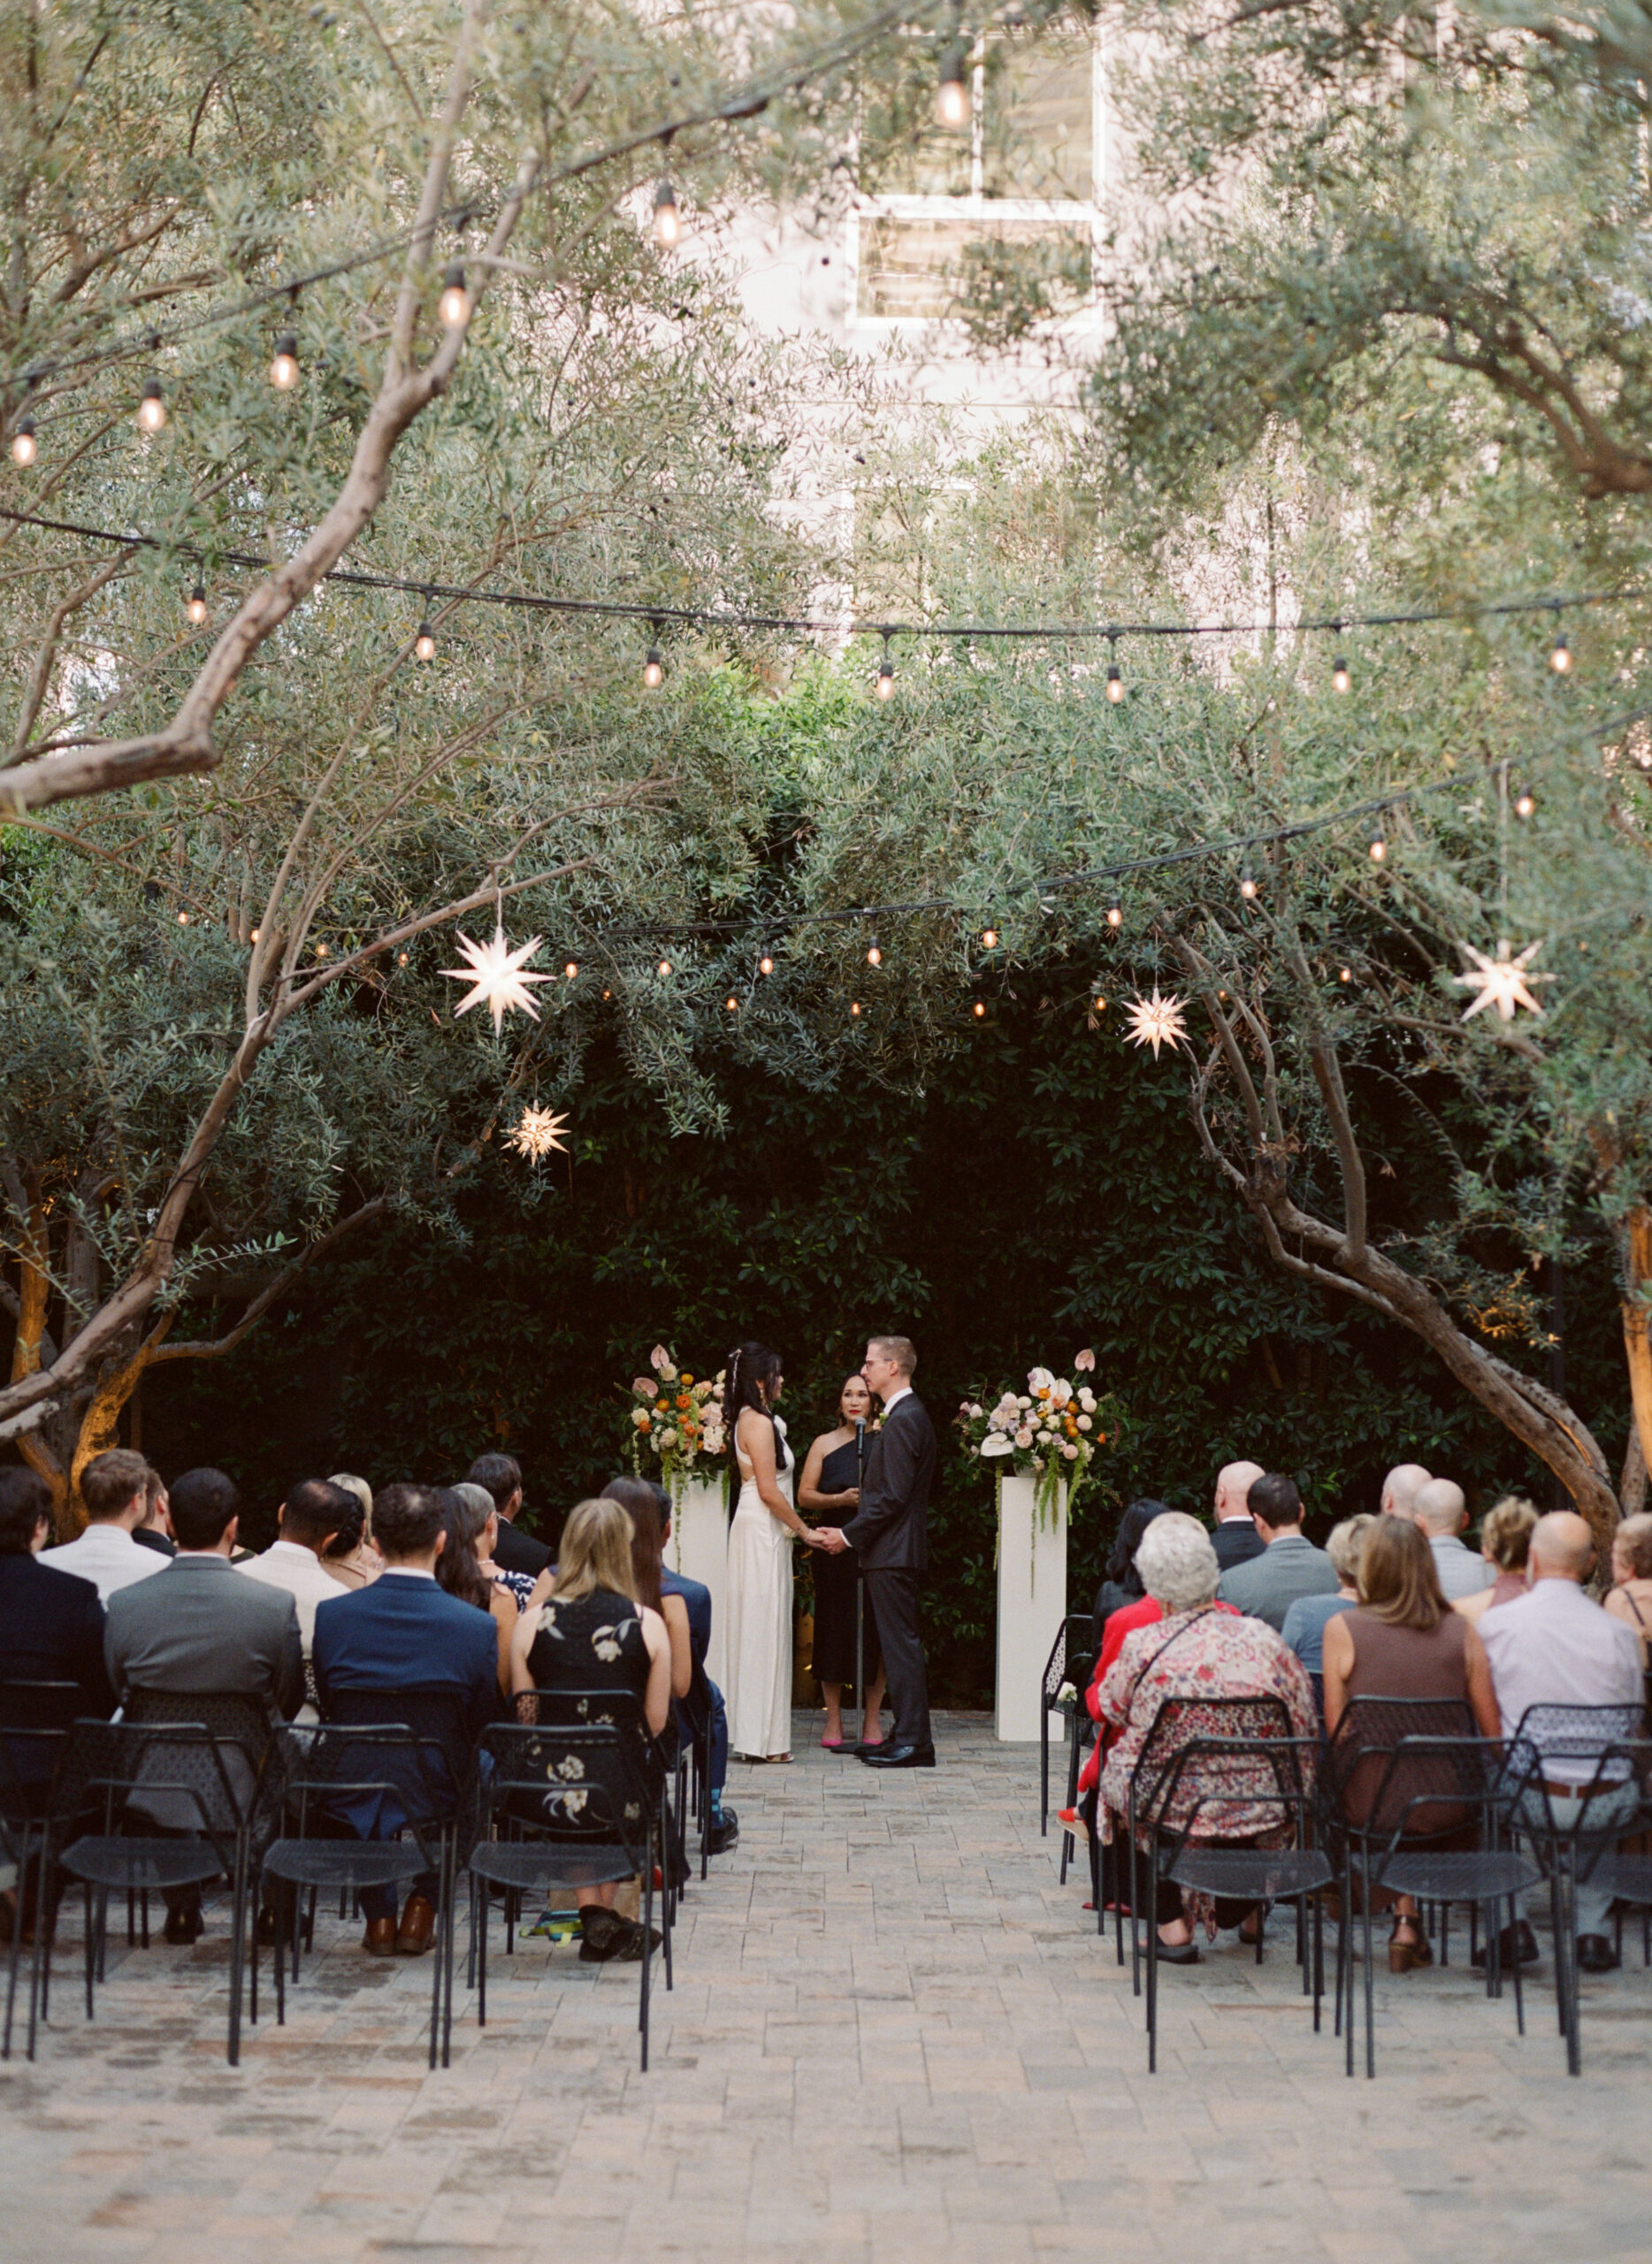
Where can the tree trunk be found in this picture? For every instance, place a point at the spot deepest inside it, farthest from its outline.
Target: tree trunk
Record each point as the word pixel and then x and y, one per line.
pixel 1638 1234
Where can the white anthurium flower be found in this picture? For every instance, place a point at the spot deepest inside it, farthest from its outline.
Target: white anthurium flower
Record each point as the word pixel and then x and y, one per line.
pixel 1063 1391
pixel 1039 1378
pixel 1085 1423
pixel 1084 1362
pixel 659 1359
pixel 997 1445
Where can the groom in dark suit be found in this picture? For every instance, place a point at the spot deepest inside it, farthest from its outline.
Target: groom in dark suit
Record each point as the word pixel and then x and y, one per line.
pixel 888 1534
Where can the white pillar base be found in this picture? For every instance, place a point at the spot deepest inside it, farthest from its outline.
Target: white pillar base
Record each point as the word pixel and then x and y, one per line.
pixel 1032 1604
pixel 699 1550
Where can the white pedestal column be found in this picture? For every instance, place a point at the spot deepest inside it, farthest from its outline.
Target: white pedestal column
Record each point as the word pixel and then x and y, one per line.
pixel 1032 1604
pixel 699 1551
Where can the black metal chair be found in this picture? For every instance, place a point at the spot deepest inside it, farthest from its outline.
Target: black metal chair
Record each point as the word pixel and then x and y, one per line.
pixel 241 1722
pixel 1151 1819
pixel 314 1773
pixel 570 1804
pixel 1581 1785
pixel 35 1719
pixel 1213 1770
pixel 1369 1731
pixel 1072 1659
pixel 123 1775
pixel 1432 1795
pixel 695 1717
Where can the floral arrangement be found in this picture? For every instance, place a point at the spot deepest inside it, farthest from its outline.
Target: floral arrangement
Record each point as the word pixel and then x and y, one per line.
pixel 1051 1432
pixel 677 1417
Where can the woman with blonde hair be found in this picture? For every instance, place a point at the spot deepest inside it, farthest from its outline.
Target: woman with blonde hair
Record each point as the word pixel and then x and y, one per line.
pixel 1630 1596
pixel 589 1633
pixel 1505 1537
pixel 352 1560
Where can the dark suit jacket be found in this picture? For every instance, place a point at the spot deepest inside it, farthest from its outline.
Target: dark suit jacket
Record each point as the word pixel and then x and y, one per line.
pixel 147 1537
pixel 403 1632
pixel 205 1628
pixel 51 1630
pixel 890 1530
pixel 1236 1542
pixel 697 1600
pixel 519 1552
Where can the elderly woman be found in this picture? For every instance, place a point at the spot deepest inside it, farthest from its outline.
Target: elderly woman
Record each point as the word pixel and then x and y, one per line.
pixel 1197 1650
pixel 1506 1536
pixel 1630 1596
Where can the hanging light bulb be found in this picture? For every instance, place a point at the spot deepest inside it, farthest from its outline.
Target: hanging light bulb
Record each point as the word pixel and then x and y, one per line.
pixel 653 669
pixel 425 642
pixel 1115 914
pixel 1560 654
pixel 401 958
pixel 1379 848
pixel 855 1008
pixel 321 951
pixel 152 407
pixel 1115 683
pixel 885 686
pixel 254 935
pixel 284 367
pixel 989 939
pixel 874 955
pixel 183 919
pixel 571 968
pixel 24 446
pixel 667 221
pixel 765 966
pixel 663 969
pixel 453 306
pixel 952 94
pixel 1339 677
pixel 979 1010
pixel 1344 974
pixel 1524 802
pixel 196 608
pixel 1247 883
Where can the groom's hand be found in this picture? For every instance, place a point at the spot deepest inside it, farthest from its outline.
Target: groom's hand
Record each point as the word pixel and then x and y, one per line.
pixel 831 1539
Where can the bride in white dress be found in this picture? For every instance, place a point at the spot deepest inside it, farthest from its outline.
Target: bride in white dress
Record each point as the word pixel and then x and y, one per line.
pixel 757 1654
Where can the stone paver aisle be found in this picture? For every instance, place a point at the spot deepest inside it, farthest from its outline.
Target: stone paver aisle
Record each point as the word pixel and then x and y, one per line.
pixel 893 2037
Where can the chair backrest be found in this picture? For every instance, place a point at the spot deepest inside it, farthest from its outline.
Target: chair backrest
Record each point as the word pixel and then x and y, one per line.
pixel 1369 1731
pixel 114 1777
pixel 238 1720
pixel 318 1774
pixel 436 1732
pixel 621 1710
pixel 35 1718
pixel 1272 1776
pixel 1072 1655
pixel 1575 1736
pixel 1438 1787
pixel 1239 1723
pixel 1606 1786
pixel 572 1780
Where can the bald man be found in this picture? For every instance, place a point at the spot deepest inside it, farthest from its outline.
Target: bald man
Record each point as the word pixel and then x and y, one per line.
pixel 1553 1646
pixel 1401 1488
pixel 1236 1538
pixel 1441 1512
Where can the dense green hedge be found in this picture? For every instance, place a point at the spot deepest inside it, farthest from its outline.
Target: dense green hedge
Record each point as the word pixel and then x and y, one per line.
pixel 1043 1194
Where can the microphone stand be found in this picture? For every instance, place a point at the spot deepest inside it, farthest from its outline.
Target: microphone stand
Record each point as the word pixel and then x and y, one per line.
pixel 860 1593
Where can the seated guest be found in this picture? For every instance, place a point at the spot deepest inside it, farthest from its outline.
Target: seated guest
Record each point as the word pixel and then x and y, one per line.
pixel 198 1628
pixel 156 1532
pixel 52 1622
pixel 1630 1596
pixel 1123 1585
pixel 1306 1622
pixel 1555 1645
pixel 1236 1538
pixel 1290 1564
pixel 1122 1623
pixel 704 1697
pixel 310 1520
pixel 350 1558
pixel 1197 1651
pixel 589 1633
pixel 1401 1488
pixel 1505 1535
pixel 403 1632
pixel 501 1474
pixel 114 1488
pixel 1440 1512
pixel 485 1519
pixel 460 1569
pixel 1403 1641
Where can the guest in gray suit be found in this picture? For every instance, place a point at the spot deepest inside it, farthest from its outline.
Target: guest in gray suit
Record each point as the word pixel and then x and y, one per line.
pixel 1290 1564
pixel 197 1626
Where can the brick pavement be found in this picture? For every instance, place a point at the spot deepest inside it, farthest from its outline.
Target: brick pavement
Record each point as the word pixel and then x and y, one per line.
pixel 893 2037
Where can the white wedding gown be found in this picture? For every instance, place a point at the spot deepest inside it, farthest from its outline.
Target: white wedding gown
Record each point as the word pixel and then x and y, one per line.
pixel 757 1654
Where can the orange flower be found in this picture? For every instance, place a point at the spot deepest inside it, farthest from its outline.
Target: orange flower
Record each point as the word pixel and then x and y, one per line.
pixel 644 1424
pixel 662 1406
pixel 684 1400
pixel 686 1380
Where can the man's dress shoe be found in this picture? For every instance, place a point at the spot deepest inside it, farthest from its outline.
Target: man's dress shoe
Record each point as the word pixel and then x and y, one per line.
pixel 1596 1953
pixel 380 1940
pixel 888 1755
pixel 417 1928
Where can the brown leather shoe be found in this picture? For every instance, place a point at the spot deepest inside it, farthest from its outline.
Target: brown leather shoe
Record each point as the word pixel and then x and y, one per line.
pixel 418 1926
pixel 380 1940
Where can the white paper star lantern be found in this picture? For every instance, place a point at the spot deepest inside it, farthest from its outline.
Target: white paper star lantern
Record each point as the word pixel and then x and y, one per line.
pixel 1504 981
pixel 537 1132
pixel 1156 1021
pixel 496 974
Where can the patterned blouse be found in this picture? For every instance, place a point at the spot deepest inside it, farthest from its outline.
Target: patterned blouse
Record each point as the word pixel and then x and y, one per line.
pixel 1206 1653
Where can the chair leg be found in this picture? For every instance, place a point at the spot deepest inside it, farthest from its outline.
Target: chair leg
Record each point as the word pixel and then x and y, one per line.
pixel 1044 1766
pixel 480 1900
pixel 237 1952
pixel 91 1949
pixel 647 1956
pixel 1520 1994
pixel 1319 1960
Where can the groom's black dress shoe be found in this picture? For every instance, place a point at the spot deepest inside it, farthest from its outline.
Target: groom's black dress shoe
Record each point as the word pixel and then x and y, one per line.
pixel 888 1755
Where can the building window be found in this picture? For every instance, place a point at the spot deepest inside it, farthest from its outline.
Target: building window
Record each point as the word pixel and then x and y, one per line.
pixel 1027 177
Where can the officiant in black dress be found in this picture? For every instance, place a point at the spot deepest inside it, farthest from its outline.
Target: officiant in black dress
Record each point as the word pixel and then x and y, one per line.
pixel 828 1488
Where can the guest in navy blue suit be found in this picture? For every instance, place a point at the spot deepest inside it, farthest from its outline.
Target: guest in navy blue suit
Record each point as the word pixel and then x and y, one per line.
pixel 52 1622
pixel 404 1633
pixel 704 1697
